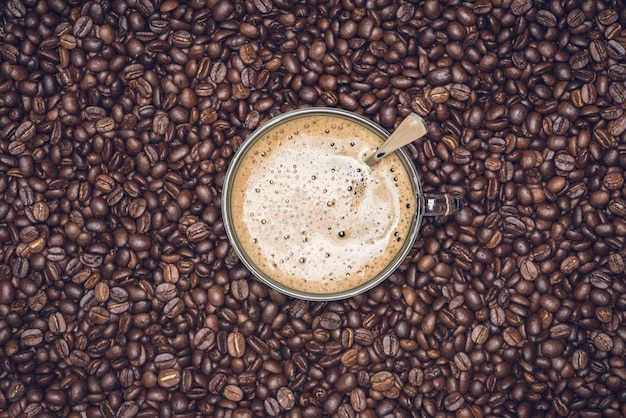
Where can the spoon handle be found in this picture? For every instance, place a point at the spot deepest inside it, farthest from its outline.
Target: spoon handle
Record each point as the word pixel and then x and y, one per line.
pixel 410 129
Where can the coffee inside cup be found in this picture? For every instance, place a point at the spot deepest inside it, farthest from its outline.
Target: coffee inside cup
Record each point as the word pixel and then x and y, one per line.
pixel 309 213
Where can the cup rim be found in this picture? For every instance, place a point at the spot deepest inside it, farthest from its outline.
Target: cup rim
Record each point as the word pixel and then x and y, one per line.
pixel 265 278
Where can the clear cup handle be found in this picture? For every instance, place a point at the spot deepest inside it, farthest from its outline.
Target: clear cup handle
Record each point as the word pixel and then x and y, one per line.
pixel 441 204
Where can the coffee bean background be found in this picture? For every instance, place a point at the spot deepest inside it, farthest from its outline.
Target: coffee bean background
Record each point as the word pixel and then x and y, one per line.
pixel 120 295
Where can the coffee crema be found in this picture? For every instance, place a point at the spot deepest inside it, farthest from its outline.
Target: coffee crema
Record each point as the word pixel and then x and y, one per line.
pixel 311 214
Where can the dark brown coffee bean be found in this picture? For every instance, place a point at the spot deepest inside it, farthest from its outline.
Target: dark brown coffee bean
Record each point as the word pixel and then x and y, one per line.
pixel 82 26
pixel 32 337
pixel 233 393
pixel 552 348
pixel 236 344
pixel 164 361
pixel 615 49
pixel 330 321
pixel 272 407
pixel 57 323
pixel 570 264
pixel 454 401
pixel 25 131
pixel 519 7
pixel 40 212
pixel 580 360
pixel 439 76
pixel 616 263
pixel 173 307
pixel 286 398
pixel 169 378
pixel 197 232
pixel 603 342
pixel 382 381
pixel 546 18
pixel 617 72
pixel 204 339
pixel 575 18
pixel 598 51
pixel 263 6
pixel 462 361
pixel 461 156
pixel 127 409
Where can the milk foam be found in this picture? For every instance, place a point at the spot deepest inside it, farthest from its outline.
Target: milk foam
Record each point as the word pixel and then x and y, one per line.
pixel 311 214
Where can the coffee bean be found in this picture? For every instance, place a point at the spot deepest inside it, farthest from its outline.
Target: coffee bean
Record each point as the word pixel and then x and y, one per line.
pixel 615 49
pixel 514 226
pixel 198 232
pixel 204 339
pixel 82 26
pixel 575 18
pixel 330 321
pixel 173 307
pixel 552 348
pixel 236 344
pixel 519 7
pixel 25 131
pixel 164 361
pixel 272 407
pixel 32 337
pixel 603 342
pixel 127 409
pixel 285 398
pixel 57 323
pixel 439 76
pixel 382 381
pixel 617 72
pixel 454 401
pixel 462 361
pixel 233 393
pixel 169 378
pixel 616 264
pixel 461 156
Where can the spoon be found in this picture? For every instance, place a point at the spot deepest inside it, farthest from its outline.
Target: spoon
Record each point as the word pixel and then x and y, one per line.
pixel 411 128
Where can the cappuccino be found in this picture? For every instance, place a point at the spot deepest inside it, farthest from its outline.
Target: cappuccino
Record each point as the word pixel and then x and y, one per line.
pixel 309 213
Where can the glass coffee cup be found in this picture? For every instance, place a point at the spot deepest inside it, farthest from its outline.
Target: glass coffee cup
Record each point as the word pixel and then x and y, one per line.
pixel 309 218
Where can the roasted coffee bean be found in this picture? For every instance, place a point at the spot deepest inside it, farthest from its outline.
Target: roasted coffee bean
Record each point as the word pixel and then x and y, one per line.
pixel 169 378
pixel 204 339
pixel 236 344
pixel 382 381
pixel 330 320
pixel 272 407
pixel 233 393
pixel 25 131
pixel 57 323
pixel 480 334
pixel 197 232
pixel 286 398
pixel 615 49
pixel 617 72
pixel 127 409
pixel 519 7
pixel 616 263
pixel 32 337
pixel 263 6
pixel 603 342
pixel 105 125
pixel 164 361
pixel 461 156
pixel 439 76
pixel 454 401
